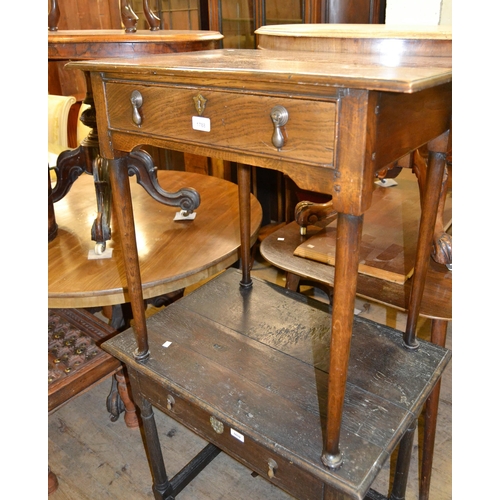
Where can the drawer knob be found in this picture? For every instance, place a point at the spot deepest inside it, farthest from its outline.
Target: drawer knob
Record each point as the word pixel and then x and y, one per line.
pixel 272 466
pixel 279 117
pixel 136 100
pixel 170 402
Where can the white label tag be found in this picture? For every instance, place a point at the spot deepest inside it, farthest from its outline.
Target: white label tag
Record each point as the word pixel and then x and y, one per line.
pixel 107 254
pixel 386 183
pixel 167 343
pixel 237 435
pixel 201 123
pixel 184 216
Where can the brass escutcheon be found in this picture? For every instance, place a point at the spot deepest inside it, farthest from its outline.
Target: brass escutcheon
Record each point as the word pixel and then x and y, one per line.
pixel 199 103
pixel 170 402
pixel 217 425
pixel 272 466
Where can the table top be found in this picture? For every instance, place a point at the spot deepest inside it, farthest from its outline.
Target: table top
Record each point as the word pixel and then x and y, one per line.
pixel 91 44
pixel 172 255
pixel 389 42
pixel 357 31
pixel 398 72
pixel 139 36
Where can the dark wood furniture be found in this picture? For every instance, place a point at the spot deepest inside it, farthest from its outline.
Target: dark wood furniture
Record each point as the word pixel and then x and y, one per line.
pixel 76 361
pixel 250 375
pixel 330 122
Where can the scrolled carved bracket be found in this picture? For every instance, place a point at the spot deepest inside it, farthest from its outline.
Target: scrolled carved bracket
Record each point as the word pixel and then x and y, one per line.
pixel 68 168
pixel 442 249
pixel 308 213
pixel 140 164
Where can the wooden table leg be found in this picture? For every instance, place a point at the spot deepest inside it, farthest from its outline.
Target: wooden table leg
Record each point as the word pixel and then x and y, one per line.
pixel 162 488
pixel 437 163
pixel 344 293
pixel 438 337
pixel 244 177
pixel 403 464
pixel 123 206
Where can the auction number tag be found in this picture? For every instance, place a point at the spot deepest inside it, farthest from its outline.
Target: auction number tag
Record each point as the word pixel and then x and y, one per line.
pixel 201 123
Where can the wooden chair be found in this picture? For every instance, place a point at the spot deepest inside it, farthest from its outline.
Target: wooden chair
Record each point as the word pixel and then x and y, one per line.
pixel 76 363
pixel 281 250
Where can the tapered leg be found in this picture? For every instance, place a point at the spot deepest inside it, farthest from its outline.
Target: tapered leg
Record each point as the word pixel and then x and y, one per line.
pixel 244 176
pixel 346 273
pixel 437 163
pixel 122 200
pixel 438 336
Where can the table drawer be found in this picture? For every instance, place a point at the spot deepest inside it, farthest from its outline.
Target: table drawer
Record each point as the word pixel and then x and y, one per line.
pixel 215 429
pixel 232 121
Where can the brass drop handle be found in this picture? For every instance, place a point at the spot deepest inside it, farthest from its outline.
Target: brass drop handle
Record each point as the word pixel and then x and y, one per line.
pixel 279 117
pixel 136 100
pixel 272 466
pixel 170 402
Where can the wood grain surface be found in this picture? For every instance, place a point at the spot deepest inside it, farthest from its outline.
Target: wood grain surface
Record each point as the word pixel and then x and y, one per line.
pixel 390 232
pixel 172 254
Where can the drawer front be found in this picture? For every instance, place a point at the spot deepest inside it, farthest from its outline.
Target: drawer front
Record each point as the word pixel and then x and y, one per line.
pixel 230 121
pixel 285 474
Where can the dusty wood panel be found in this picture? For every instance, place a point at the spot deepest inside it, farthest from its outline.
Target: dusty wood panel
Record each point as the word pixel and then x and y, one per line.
pixel 256 373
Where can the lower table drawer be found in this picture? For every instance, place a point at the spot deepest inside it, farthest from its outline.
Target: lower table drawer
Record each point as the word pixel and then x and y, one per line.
pixel 258 457
pixel 227 119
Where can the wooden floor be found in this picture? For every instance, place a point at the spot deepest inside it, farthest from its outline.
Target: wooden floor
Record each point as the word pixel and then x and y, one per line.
pixel 96 459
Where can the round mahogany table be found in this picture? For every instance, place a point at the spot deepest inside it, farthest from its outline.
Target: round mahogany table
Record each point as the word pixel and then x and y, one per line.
pixel 172 254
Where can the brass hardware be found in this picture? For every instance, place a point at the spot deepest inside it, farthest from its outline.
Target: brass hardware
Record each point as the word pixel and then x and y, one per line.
pixel 199 103
pixel 217 426
pixel 272 466
pixel 279 117
pixel 170 402
pixel 136 100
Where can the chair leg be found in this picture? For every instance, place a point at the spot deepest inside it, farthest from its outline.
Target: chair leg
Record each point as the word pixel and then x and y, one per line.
pixel 438 336
pixel 130 417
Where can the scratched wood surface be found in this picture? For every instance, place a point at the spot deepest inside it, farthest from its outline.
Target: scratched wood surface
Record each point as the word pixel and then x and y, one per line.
pixel 96 458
